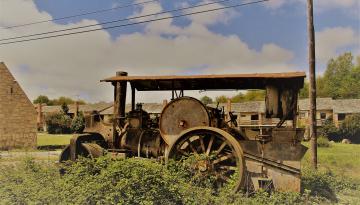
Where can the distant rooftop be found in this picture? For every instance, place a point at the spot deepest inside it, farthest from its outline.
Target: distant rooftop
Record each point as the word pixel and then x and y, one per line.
pixel 338 106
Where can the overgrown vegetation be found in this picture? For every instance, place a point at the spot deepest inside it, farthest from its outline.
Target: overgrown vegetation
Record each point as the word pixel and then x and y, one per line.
pixel 78 123
pixel 58 123
pixel 142 181
pixel 62 123
pixel 349 129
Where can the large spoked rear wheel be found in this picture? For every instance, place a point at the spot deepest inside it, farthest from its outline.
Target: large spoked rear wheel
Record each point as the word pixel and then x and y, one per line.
pixel 211 154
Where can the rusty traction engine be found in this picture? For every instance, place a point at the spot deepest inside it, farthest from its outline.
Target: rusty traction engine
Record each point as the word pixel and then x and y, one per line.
pixel 261 156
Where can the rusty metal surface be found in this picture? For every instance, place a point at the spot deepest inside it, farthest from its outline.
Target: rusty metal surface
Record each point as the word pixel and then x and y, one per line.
pixel 181 114
pixel 271 155
pixel 212 82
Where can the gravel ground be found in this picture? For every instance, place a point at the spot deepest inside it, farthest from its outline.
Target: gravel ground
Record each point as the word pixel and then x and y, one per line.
pixel 37 155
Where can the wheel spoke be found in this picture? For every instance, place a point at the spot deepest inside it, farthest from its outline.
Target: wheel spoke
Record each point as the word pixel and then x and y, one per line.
pixel 182 152
pixel 202 144
pixel 222 146
pixel 209 146
pixel 233 168
pixel 191 147
pixel 223 158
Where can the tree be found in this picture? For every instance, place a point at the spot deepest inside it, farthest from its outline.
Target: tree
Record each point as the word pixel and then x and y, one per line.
pixel 251 95
pixel 65 109
pixel 206 100
pixel 78 123
pixel 42 99
pixel 58 123
pixel 341 78
pixel 69 101
pixel 221 99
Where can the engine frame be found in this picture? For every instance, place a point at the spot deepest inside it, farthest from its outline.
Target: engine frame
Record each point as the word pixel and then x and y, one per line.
pixel 271 157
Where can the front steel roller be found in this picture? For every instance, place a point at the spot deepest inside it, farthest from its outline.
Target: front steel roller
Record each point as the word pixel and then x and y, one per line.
pixel 218 155
pixel 85 145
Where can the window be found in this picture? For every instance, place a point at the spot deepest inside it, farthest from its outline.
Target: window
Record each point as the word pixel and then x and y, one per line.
pixel 341 116
pixel 242 115
pixel 322 115
pixel 302 114
pixel 254 117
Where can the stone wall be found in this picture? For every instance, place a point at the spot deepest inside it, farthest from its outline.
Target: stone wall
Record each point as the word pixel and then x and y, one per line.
pixel 17 114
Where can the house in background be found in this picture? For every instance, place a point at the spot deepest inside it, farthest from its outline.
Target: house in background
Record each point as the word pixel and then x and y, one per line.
pixel 343 108
pixel 324 110
pixel 44 110
pixel 253 112
pixel 327 108
pixel 250 113
pixel 17 114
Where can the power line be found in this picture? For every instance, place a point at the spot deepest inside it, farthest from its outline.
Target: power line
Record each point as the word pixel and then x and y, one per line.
pixel 136 23
pixel 81 14
pixel 116 21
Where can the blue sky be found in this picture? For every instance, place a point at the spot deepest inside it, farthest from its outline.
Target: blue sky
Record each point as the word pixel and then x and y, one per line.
pixel 254 38
pixel 255 24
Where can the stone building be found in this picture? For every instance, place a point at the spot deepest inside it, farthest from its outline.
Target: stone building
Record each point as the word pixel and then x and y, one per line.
pixel 17 114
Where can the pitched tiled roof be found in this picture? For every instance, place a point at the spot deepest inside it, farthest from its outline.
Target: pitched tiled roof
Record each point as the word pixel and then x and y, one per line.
pixel 251 106
pixel 82 108
pixel 321 104
pixel 338 106
pixel 347 106
pixel 148 107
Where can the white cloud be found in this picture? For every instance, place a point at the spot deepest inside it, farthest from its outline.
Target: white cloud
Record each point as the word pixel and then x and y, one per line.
pixel 332 40
pixel 74 64
pixel 319 5
pixel 275 4
pixel 219 16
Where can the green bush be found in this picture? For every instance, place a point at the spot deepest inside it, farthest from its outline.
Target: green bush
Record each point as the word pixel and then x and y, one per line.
pixel 141 181
pixel 329 131
pixel 323 184
pixel 350 128
pixel 78 123
pixel 323 142
pixel 58 123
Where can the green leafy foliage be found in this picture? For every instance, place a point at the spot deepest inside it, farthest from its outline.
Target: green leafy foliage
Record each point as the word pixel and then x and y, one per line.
pixel 221 99
pixel 350 128
pixel 42 99
pixel 142 181
pixel 330 131
pixel 78 123
pixel 323 141
pixel 58 123
pixel 65 109
pixel 341 79
pixel 206 100
pixel 58 101
pixel 251 95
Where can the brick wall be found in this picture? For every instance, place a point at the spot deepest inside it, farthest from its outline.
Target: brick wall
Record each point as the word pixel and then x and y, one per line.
pixel 17 114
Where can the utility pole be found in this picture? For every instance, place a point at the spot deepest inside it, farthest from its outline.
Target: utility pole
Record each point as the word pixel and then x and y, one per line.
pixel 312 83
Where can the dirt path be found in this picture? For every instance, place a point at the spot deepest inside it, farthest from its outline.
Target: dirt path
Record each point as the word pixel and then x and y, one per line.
pixel 14 156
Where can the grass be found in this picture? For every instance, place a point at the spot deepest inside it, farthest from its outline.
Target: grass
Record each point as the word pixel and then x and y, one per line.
pixel 340 159
pixel 44 139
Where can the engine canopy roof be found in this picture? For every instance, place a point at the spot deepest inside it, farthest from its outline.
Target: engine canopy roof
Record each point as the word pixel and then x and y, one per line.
pixel 293 80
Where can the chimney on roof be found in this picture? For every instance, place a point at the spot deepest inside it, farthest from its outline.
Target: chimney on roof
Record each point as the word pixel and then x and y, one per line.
pixel 39 114
pixel 76 108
